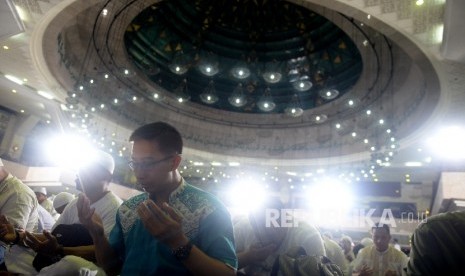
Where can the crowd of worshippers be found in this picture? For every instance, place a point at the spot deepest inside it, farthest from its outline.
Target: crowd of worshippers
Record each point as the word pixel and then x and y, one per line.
pixel 174 228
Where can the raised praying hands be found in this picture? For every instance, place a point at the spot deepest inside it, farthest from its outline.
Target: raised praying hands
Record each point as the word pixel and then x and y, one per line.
pixel 48 246
pixel 163 223
pixel 88 217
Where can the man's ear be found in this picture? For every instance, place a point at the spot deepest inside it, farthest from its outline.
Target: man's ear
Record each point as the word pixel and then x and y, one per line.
pixel 176 162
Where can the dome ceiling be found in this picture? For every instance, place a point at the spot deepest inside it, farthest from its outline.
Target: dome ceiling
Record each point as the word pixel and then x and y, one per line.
pixel 118 62
pixel 243 56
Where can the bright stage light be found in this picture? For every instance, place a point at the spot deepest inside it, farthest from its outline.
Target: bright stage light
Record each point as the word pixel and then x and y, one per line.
pixel 448 143
pixel 245 197
pixel 70 151
pixel 330 194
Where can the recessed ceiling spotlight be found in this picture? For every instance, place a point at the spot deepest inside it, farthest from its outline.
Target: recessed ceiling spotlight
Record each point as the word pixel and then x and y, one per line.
pixel 272 77
pixel 240 72
pixel 294 111
pixel 303 84
pixel 320 118
pixel 329 94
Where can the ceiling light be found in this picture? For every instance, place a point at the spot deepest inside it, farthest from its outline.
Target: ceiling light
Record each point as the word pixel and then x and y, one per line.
pixel 266 105
pixel 294 111
pixel 320 118
pixel 209 94
pixel 14 79
pixel 272 77
pixel 413 164
pixel 45 95
pixel 266 101
pixel 237 98
pixel 234 164
pixel 13 90
pixel 381 122
pixel 302 84
pixel 240 72
pixel 181 92
pixel 338 126
pixel 419 2
pixel 208 64
pixel 368 112
pixel 272 72
pixel 329 94
pixel 180 63
pixel 5 47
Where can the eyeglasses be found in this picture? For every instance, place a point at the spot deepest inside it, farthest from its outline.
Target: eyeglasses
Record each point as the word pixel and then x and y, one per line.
pixel 146 164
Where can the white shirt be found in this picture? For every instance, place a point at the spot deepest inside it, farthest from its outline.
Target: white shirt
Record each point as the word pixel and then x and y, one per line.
pixel 46 221
pixel 18 203
pixel 105 207
pixel 304 235
pixel 391 259
pixel 48 205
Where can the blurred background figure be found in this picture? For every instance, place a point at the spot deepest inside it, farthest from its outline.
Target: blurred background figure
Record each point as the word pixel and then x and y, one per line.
pixel 42 198
pixel 61 200
pixel 347 246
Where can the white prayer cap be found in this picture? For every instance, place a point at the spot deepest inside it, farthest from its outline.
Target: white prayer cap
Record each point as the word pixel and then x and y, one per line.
pixel 62 199
pixel 366 242
pixel 41 190
pixel 100 158
pixel 105 160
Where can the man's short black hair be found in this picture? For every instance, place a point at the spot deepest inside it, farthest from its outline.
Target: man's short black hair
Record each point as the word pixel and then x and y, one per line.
pixel 380 225
pixel 168 138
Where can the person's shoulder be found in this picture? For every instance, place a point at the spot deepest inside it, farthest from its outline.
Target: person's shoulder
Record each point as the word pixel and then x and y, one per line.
pixel 441 222
pixel 198 197
pixel 114 198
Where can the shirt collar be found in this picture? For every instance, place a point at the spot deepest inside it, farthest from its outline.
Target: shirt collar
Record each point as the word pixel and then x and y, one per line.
pixel 174 194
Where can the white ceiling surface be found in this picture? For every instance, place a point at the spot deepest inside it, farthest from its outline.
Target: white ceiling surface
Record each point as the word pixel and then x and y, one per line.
pixel 22 60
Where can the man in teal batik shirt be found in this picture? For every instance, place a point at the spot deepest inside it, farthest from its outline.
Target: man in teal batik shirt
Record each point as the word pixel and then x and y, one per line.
pixel 173 228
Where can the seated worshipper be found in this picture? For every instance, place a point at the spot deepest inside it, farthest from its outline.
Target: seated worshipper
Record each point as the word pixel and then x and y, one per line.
pixel 18 204
pixel 17 201
pixel 45 221
pixel 171 229
pixel 438 246
pixel 259 243
pixel 95 178
pixel 380 258
pixel 41 194
pixel 347 246
pixel 335 253
pixel 61 200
